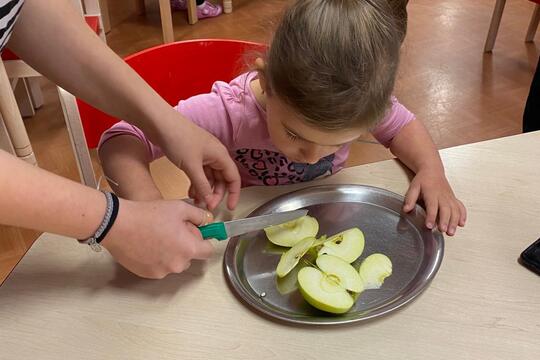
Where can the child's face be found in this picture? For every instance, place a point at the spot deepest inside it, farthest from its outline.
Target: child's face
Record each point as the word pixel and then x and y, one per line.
pixel 298 141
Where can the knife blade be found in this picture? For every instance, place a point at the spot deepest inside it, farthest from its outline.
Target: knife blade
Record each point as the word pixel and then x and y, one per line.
pixel 227 229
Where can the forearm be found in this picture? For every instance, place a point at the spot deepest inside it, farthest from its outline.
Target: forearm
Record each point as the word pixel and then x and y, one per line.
pixel 414 147
pixel 55 41
pixel 35 199
pixel 125 161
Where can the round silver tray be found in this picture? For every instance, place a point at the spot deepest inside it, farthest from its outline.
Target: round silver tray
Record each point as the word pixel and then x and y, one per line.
pixel 416 252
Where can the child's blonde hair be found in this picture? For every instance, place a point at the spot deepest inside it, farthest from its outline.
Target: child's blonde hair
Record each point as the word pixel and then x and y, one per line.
pixel 335 61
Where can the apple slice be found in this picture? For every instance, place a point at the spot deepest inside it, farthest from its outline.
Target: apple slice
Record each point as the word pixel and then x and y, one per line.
pixel 290 258
pixel 292 232
pixel 347 276
pixel 347 245
pixel 289 283
pixel 320 241
pixel 324 291
pixel 374 269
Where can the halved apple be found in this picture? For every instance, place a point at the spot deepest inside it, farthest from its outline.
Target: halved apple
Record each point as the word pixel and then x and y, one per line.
pixel 346 275
pixel 347 245
pixel 374 269
pixel 292 232
pixel 324 291
pixel 290 258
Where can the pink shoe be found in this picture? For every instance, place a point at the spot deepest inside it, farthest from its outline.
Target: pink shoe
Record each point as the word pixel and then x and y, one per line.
pixel 177 5
pixel 207 9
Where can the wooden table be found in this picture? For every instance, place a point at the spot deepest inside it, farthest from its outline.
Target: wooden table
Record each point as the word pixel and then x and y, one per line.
pixel 64 301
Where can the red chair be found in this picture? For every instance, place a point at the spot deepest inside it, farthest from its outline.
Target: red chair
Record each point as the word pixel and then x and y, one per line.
pixel 176 71
pixel 496 21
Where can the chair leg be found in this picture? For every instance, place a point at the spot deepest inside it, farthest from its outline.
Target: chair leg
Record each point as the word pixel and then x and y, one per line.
pixel 105 17
pixel 23 98
pixel 494 26
pixel 192 11
pixel 533 25
pixel 13 120
pixel 5 141
pixel 166 21
pixel 227 6
pixel 36 95
pixel 76 136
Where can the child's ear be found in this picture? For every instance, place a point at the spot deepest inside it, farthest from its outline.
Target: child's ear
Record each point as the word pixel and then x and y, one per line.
pixel 260 66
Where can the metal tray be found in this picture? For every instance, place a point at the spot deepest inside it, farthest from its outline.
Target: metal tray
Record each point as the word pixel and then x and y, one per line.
pixel 250 260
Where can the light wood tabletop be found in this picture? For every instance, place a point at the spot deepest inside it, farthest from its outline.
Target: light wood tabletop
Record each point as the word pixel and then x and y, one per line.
pixel 65 301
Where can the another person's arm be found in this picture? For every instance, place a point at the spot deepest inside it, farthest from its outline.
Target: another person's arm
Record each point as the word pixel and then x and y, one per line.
pixel 151 239
pixel 56 42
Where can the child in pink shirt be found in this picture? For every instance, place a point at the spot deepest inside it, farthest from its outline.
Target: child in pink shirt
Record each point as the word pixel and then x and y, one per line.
pixel 326 79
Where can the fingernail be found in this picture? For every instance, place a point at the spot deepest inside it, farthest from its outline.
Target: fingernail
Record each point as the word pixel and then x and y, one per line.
pixel 451 231
pixel 429 225
pixel 444 228
pixel 206 218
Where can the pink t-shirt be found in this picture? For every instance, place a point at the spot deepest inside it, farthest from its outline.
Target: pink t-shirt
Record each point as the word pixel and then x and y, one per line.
pixel 231 113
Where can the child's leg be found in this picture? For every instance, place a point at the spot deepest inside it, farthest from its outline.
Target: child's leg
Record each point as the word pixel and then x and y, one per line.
pixel 205 9
pixel 182 4
pixel 177 5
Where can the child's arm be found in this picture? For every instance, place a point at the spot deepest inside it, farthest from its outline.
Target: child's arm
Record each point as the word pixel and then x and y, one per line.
pixel 126 162
pixel 414 147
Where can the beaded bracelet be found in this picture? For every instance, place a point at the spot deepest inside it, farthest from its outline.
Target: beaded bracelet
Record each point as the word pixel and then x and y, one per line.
pixel 111 212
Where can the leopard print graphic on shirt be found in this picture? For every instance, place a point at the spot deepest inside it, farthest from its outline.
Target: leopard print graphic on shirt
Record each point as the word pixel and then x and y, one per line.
pixel 273 168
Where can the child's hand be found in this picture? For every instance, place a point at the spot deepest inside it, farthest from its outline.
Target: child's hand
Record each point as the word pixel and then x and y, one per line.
pixel 205 160
pixel 216 184
pixel 439 199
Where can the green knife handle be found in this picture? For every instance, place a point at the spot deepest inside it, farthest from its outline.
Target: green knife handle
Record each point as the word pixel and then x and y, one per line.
pixel 214 231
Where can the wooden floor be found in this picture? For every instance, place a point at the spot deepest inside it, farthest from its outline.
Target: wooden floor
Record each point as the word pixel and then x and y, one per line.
pixel 461 94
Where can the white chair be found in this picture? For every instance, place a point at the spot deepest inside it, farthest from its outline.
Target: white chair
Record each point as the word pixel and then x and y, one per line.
pixel 13 135
pixel 496 21
pixel 18 79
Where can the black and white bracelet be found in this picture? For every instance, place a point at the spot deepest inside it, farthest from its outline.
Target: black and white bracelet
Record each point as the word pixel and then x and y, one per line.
pixel 111 212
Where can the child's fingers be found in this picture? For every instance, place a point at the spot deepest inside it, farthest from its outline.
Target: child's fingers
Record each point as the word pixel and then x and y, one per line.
pixel 231 177
pixel 454 220
pixel 211 201
pixel 432 206
pixel 199 181
pixel 234 195
pixel 463 214
pixel 445 212
pixel 219 187
pixel 411 197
